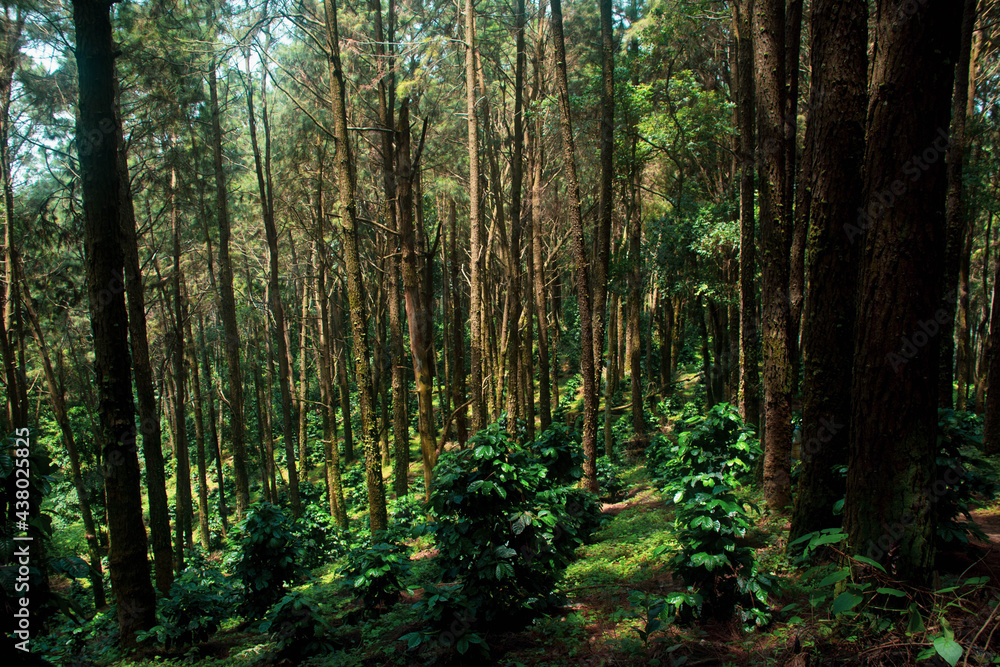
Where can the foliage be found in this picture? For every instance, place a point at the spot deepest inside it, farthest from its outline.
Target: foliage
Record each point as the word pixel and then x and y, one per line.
pixel 717 444
pixel 720 571
pixel 315 532
pixel 559 450
pixel 374 571
pixel 448 617
pixel 859 595
pixel 504 532
pixel 609 480
pixel 297 628
pixel 200 600
pixel 355 488
pixel 961 478
pixel 268 557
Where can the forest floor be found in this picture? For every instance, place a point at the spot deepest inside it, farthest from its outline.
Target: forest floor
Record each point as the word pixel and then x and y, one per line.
pixel 599 626
pixel 618 575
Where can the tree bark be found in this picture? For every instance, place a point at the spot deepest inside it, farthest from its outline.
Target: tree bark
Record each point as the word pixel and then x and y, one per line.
pixel 227 309
pixel 893 444
pixel 959 230
pixel 98 140
pixel 417 311
pixel 377 515
pixel 749 373
pixel 837 126
pixel 262 166
pixel 580 254
pixel 605 197
pixel 475 225
pixel 769 29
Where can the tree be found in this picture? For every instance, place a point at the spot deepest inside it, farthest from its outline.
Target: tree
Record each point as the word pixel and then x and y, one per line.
pixel 901 230
pixel 837 128
pixel 98 139
pixel 377 515
pixel 749 377
pixel 769 60
pixel 583 294
pixel 227 304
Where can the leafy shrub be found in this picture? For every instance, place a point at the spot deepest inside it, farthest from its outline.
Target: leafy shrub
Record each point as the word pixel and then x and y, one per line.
pixel 608 478
pixel 200 600
pixel 374 571
pixel 268 558
pixel 720 572
pixel 502 529
pixel 314 531
pixel 560 451
pixel 710 458
pixel 718 443
pixel 355 488
pixel 297 628
pixel 961 476
pixel 449 619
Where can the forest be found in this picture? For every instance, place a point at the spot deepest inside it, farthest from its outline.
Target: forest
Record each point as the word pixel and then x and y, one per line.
pixel 416 332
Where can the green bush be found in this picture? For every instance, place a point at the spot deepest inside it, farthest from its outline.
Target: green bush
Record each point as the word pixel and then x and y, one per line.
pixel 609 479
pixel 720 572
pixel 297 628
pixel 503 531
pixel 200 600
pixel 267 559
pixel 718 443
pixel 355 487
pixel 961 478
pixel 315 531
pixel 560 451
pixel 374 570
pixel 713 456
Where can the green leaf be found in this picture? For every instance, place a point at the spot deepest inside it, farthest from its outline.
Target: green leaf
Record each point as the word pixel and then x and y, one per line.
pixel 845 602
pixel 834 578
pixel 868 561
pixel 949 650
pixel 895 592
pixel 914 622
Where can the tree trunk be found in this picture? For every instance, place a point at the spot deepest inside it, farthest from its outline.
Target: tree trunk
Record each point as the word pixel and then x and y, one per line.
pixel 769 30
pixel 227 310
pixel 893 444
pixel 580 254
pixel 749 373
pixel 213 431
pixel 199 435
pixel 17 401
pixel 182 498
pixel 795 223
pixel 837 125
pixel 955 208
pixel 57 399
pixel 417 311
pixel 458 395
pixel 475 225
pixel 377 516
pixel 149 416
pixel 263 170
pixel 98 141
pixel 605 201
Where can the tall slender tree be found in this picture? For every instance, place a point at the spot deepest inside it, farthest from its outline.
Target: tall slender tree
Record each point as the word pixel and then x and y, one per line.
pixel 99 136
pixel 583 294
